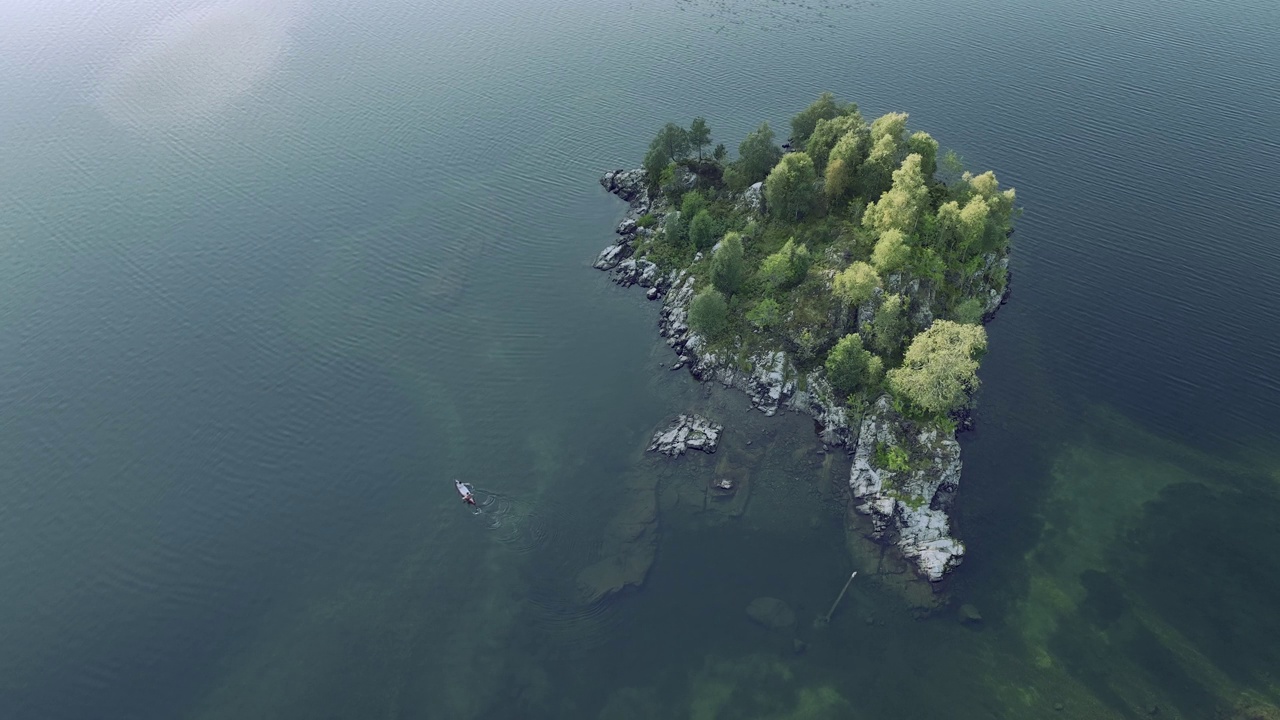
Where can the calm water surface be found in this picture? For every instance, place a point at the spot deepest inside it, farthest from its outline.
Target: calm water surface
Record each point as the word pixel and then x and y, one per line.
pixel 274 273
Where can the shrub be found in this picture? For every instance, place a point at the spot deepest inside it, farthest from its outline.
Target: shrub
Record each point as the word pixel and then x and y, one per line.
pixel 765 314
pixel 892 457
pixel 787 267
pixel 849 365
pixel 709 314
pixel 969 312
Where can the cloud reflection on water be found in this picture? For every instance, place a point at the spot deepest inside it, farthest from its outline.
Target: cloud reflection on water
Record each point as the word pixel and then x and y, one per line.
pixel 194 64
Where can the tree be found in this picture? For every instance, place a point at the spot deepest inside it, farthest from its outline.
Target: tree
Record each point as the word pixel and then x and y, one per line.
pixel 999 203
pixel 709 314
pixel 765 314
pixel 842 165
pixel 891 125
pixel 946 229
pixel 901 207
pixel 972 225
pixel 940 368
pixel 791 188
pixel 891 252
pixel 655 161
pixel 787 267
pixel 674 141
pixel 703 230
pixel 757 154
pixel 670 144
pixel 719 153
pixel 728 268
pixel 856 283
pixel 850 366
pixel 699 135
pixel 829 132
pixel 691 203
pixel 889 326
pixel 824 108
pixel 923 144
pixel 876 172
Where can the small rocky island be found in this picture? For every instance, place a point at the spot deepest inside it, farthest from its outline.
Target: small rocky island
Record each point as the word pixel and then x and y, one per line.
pixel 846 274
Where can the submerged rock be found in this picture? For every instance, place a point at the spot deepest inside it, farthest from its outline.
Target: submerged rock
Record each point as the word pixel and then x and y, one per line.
pixel 689 432
pixel 628 544
pixel 771 613
pixel 968 615
pixel 904 477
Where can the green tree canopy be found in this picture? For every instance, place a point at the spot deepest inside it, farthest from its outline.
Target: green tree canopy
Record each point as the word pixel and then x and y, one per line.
pixel 889 326
pixel 787 267
pixel 842 165
pixel 757 154
pixel 699 135
pixel 891 252
pixel 891 125
pixel 999 205
pixel 876 172
pixel 922 143
pixel 961 232
pixel 850 367
pixel 709 314
pixel 829 132
pixel 973 224
pixel 824 108
pixel 940 368
pixel 670 144
pixel 693 203
pixel 903 205
pixel 856 283
pixel 791 188
pixel 703 230
pixel 728 267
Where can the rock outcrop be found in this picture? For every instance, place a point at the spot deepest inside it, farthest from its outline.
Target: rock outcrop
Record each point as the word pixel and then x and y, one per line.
pixel 688 432
pixel 904 477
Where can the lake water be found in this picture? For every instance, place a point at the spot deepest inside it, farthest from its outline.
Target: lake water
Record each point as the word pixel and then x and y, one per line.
pixel 274 273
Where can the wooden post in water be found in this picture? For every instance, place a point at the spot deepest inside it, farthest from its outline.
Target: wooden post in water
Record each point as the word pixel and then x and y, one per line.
pixel 826 619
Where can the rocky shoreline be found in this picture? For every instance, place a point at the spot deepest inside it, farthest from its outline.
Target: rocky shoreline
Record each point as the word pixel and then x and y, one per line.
pixel 904 474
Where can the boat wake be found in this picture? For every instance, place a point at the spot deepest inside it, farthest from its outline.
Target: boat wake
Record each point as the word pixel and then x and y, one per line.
pixel 513 523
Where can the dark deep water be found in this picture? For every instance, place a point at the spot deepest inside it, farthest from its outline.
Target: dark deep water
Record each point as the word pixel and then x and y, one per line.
pixel 274 272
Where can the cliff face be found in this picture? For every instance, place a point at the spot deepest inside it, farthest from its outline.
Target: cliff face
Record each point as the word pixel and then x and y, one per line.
pixel 904 474
pixel 904 477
